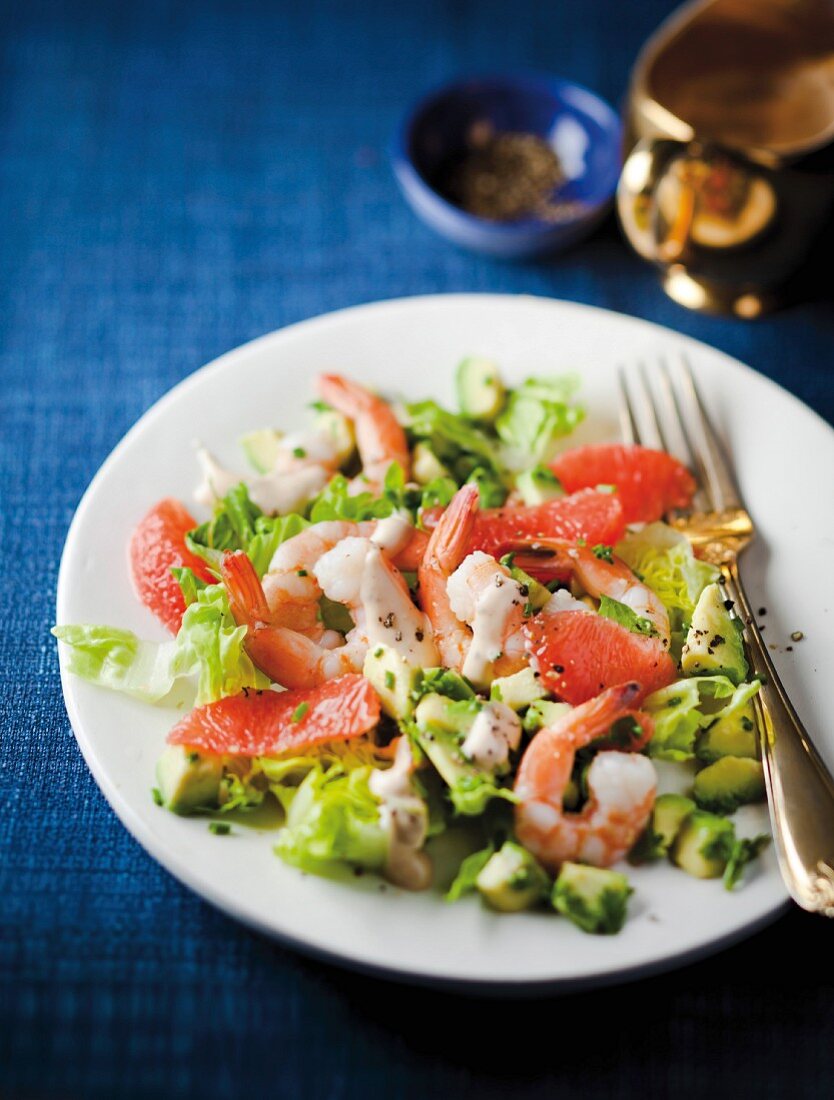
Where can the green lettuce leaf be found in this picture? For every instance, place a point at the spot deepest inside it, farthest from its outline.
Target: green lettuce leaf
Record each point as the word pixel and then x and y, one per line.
pixel 537 415
pixel 452 436
pixel 622 614
pixel 333 818
pixel 663 558
pixel 238 524
pixel 205 662
pixel 681 710
pixel 470 868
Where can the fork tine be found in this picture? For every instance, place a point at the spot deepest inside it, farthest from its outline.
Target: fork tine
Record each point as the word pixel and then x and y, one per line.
pixel 675 431
pixel 715 473
pixel 641 390
pixel 628 425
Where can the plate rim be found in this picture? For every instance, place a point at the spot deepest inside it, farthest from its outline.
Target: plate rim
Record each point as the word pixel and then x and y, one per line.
pixel 205 890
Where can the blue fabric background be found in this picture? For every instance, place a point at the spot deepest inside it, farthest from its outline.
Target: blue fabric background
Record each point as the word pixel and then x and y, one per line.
pixel 176 179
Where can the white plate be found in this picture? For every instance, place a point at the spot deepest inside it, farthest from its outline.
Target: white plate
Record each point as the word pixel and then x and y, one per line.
pixel 783 453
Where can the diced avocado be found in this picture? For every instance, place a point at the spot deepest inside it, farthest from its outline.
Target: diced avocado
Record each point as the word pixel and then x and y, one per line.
pixel 446 714
pixel 733 735
pixel 714 645
pixel 393 679
pixel 539 485
pixel 444 681
pixel 729 783
pixel 425 465
pixel 543 713
pixel 512 879
pixel 188 779
pixel 669 813
pixel 339 430
pixel 519 690
pixel 262 448
pixel 703 845
pixel 481 392
pixel 442 725
pixel 592 897
pixel 537 594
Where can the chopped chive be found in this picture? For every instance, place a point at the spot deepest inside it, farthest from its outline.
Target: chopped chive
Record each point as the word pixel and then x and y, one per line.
pixel 156 795
pixel 193 757
pixel 390 680
pixel 300 711
pixel 219 828
pixel 299 452
pixel 302 573
pixel 603 552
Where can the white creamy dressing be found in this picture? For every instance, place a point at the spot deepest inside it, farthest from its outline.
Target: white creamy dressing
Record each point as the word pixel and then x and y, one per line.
pixel 403 813
pixel 390 616
pixel 280 491
pixel 495 731
pixel 495 604
pixel 355 573
pixel 393 533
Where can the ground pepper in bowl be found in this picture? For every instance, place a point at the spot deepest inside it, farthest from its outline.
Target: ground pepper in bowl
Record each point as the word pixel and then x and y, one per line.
pixel 503 177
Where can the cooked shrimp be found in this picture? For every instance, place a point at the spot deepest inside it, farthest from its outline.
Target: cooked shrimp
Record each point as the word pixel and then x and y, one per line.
pixel 445 551
pixel 380 438
pixel 475 605
pixel 356 573
pixel 603 577
pixel 484 594
pixel 290 585
pixel 621 788
pixel 285 655
pixel 353 572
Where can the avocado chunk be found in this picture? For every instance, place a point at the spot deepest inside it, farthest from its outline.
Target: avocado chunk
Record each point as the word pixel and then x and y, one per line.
pixel 592 897
pixel 512 879
pixel 442 725
pixel 338 429
pixel 668 814
pixel 535 594
pixel 262 448
pixel 446 715
pixel 539 485
pixel 703 845
pixel 732 735
pixel 519 690
pixel 714 644
pixel 189 780
pixel 425 465
pixel 729 783
pixel 480 391
pixel 543 712
pixel 392 678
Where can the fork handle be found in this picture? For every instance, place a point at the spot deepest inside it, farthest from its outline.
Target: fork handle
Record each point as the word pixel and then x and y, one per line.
pixel 799 786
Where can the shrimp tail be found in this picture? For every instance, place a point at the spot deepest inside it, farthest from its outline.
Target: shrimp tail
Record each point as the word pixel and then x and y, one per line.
pixel 246 595
pixel 380 437
pixel 449 540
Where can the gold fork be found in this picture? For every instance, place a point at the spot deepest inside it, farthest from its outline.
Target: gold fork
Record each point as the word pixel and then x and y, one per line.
pixel 800 789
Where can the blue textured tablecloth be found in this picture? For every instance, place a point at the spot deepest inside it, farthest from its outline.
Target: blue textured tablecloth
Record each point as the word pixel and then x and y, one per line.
pixel 176 179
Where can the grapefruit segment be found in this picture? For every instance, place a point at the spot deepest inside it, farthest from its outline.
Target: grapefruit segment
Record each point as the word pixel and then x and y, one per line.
pixel 267 723
pixel 157 545
pixel 579 654
pixel 649 483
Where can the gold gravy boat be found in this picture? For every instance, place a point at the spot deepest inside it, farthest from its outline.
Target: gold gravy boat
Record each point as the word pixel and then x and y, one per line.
pixel 728 181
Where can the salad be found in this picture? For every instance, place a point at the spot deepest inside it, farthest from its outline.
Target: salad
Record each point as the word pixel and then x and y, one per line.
pixel 409 624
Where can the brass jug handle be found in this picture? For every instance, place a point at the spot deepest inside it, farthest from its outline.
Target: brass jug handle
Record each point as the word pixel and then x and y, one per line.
pixel 645 168
pixel 674 197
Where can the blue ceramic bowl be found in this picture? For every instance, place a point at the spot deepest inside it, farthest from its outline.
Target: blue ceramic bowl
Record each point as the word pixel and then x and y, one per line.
pixel 582 129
